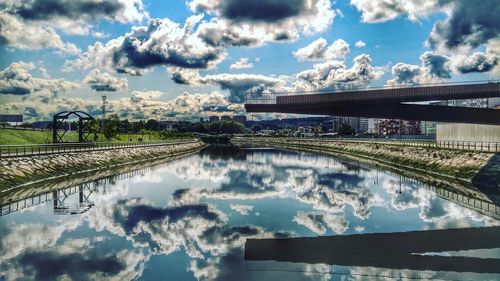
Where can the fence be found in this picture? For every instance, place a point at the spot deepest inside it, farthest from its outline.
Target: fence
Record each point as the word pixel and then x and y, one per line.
pixel 458 145
pixel 42 149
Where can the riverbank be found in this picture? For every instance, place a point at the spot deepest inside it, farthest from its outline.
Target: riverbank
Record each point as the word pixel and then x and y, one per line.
pixel 19 171
pixel 467 166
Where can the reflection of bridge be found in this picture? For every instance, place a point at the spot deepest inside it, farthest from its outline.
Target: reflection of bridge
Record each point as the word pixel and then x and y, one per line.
pixel 391 103
pixel 59 197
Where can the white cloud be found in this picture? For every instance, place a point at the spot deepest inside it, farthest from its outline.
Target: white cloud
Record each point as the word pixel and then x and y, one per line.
pixel 31 37
pixel 384 10
pixel 161 42
pixel 334 74
pixel 360 44
pixel 242 63
pixel 31 26
pixel 16 79
pixel 318 50
pixel 105 82
pixel 241 208
pixel 319 223
pixel 259 22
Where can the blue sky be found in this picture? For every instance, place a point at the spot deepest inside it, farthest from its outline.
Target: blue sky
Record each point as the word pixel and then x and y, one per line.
pixel 43 66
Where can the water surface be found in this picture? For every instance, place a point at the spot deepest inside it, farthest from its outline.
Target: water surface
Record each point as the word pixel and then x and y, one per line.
pixel 189 219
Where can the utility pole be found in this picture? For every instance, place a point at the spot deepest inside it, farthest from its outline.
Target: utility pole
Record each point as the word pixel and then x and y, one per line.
pixel 103 115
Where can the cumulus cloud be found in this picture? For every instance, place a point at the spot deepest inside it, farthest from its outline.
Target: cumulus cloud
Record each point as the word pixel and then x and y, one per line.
pixel 493 47
pixel 241 64
pixel 161 42
pixel 360 44
pixel 437 67
pixel 434 69
pixel 31 24
pixel 140 105
pixel 384 10
pixel 105 82
pixel 335 74
pixel 318 50
pixel 263 20
pixel 241 84
pixel 116 10
pixel 469 25
pixel 16 79
pixel 14 32
pixel 138 96
pixel 477 62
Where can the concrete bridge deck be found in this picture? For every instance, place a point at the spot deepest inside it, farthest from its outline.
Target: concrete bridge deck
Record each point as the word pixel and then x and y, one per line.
pixel 390 103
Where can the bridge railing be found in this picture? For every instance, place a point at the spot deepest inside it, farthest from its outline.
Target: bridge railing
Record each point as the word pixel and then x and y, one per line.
pixel 42 149
pixel 270 98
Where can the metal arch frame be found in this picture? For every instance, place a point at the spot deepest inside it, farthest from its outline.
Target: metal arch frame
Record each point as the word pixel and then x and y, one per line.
pixel 83 125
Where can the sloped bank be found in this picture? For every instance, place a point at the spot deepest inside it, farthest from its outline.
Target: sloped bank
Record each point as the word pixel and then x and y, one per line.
pixel 15 172
pixel 468 166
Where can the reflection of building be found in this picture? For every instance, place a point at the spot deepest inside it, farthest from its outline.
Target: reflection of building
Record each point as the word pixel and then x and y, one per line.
pixel 214 118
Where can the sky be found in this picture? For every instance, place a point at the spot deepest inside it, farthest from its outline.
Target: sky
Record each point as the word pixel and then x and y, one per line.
pixel 184 60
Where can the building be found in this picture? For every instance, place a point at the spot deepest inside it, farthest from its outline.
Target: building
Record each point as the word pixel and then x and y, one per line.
pixel 11 118
pixel 225 118
pixel 467 133
pixel 214 118
pixel 372 126
pixel 494 103
pixel 240 118
pixel 42 125
pixel 363 125
pixel 387 127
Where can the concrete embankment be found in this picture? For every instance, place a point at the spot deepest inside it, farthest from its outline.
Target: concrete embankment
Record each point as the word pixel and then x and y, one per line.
pixel 468 166
pixel 18 171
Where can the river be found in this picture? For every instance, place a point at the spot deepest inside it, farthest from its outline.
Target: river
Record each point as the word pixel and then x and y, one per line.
pixel 189 219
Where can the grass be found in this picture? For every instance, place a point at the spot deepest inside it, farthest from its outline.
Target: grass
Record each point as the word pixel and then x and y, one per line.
pixel 12 136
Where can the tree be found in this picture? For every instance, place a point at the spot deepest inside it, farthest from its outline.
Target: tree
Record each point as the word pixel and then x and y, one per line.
pixel 95 127
pixel 110 127
pixel 346 129
pixel 200 127
pixel 231 127
pixel 256 128
pixel 152 125
pixel 125 126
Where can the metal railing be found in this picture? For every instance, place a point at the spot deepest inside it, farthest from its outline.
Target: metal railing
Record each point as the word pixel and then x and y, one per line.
pixel 42 149
pixel 270 98
pixel 457 145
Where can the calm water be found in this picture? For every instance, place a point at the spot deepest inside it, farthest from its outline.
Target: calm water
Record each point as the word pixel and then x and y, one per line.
pixel 189 219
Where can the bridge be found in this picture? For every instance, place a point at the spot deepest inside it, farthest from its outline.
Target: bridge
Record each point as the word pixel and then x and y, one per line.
pixel 387 102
